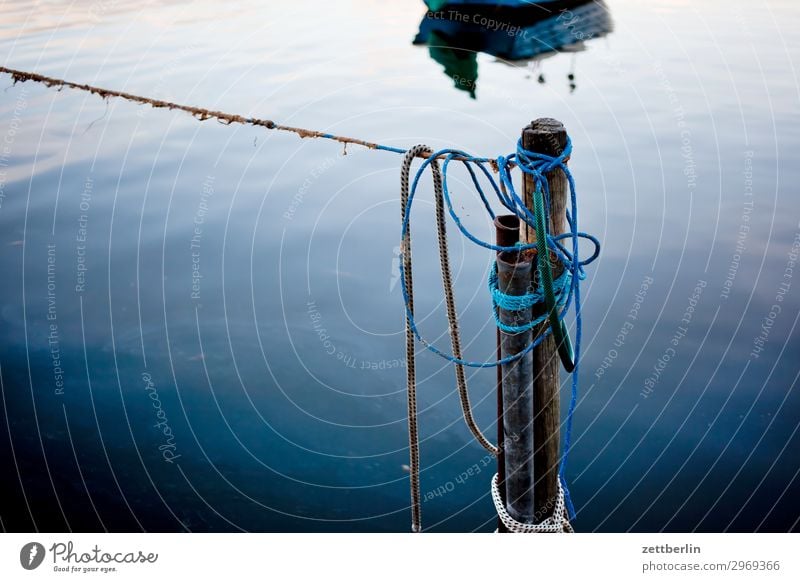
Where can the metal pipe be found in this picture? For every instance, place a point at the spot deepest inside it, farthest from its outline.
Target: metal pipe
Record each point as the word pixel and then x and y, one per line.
pixel 506 230
pixel 514 278
pixel 506 235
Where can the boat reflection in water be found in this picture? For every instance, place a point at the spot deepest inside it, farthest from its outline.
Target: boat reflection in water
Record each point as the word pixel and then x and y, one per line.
pixel 526 33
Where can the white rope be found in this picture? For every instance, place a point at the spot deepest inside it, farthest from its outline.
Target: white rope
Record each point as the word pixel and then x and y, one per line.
pixel 556 523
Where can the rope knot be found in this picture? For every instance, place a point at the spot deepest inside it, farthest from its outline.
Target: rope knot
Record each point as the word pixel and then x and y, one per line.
pixel 538 164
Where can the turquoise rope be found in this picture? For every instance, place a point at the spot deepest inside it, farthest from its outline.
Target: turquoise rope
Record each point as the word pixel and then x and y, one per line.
pixel 507 302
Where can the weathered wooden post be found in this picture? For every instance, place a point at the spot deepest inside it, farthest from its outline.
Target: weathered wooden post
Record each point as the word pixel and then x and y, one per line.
pixel 546 136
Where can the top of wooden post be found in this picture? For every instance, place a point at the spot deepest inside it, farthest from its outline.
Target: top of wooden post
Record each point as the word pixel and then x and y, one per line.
pixel 549 137
pixel 545 136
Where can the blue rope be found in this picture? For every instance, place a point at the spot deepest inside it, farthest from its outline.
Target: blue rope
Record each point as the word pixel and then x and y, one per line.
pixel 506 302
pixel 566 287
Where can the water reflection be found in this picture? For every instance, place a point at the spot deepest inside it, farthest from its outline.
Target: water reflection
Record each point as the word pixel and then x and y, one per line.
pixel 528 35
pixel 275 433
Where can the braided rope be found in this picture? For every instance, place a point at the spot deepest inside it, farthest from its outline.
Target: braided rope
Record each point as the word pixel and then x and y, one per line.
pixel 556 523
pixel 411 378
pixel 452 317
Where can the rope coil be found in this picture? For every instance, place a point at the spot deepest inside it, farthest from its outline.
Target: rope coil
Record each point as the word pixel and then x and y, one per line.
pixel 556 523
pixel 507 302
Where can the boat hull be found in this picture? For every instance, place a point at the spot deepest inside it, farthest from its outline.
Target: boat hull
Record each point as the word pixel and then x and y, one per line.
pixel 519 36
pixel 487 6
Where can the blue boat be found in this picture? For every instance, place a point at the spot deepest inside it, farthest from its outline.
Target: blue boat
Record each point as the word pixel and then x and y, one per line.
pixel 490 5
pixel 458 31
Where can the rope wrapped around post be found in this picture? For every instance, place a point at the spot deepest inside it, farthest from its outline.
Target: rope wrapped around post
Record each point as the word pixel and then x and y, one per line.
pixel 558 295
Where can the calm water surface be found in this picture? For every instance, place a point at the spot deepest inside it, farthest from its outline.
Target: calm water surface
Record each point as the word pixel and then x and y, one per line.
pixel 202 327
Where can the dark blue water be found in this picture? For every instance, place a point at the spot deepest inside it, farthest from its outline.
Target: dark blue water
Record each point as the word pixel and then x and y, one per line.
pixel 202 326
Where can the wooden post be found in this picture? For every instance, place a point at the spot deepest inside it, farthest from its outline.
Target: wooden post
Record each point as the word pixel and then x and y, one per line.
pixel 546 136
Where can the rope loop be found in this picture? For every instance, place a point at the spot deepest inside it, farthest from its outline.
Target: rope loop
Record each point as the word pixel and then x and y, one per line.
pixel 536 165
